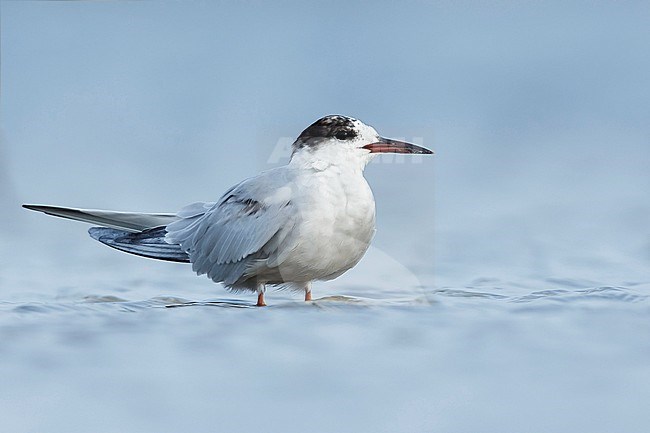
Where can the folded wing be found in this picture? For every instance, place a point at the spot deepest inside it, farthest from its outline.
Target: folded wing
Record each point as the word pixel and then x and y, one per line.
pixel 232 239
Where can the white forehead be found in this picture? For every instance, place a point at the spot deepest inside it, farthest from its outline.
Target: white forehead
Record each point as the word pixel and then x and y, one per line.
pixel 365 132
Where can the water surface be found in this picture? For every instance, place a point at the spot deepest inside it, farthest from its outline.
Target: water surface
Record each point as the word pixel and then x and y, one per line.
pixel 160 350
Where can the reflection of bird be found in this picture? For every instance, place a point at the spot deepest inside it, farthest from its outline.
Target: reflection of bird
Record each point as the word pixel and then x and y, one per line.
pixel 311 219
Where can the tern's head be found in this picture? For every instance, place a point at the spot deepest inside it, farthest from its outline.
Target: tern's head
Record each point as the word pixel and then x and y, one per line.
pixel 336 138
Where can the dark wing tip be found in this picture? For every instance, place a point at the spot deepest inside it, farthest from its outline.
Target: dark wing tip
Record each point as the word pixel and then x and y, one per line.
pixel 95 232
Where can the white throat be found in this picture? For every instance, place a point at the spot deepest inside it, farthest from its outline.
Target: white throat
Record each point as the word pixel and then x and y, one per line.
pixel 328 155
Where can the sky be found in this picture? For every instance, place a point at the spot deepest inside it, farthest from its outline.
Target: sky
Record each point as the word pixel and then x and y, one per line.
pixel 538 114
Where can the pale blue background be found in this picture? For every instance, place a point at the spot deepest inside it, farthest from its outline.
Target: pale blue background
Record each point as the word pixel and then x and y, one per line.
pixel 538 114
pixel 529 227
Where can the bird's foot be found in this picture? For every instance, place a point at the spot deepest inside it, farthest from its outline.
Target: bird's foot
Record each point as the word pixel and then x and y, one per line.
pixel 307 296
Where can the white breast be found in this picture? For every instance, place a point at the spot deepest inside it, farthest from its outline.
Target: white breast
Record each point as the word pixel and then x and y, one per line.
pixel 335 226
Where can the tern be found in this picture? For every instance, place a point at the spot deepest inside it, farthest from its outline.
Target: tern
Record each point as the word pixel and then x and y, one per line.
pixel 312 219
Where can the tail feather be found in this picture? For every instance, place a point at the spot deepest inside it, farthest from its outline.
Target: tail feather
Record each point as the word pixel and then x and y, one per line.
pixel 127 221
pixel 148 243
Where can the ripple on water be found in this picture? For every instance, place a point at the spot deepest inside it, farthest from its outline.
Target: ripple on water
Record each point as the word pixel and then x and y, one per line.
pixel 94 299
pixel 621 294
pixel 463 293
pixel 495 295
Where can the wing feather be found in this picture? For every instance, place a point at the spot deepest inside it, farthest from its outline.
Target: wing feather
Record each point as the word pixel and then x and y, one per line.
pixel 128 221
pixel 230 238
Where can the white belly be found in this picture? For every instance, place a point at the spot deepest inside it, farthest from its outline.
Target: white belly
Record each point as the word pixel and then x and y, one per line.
pixel 336 225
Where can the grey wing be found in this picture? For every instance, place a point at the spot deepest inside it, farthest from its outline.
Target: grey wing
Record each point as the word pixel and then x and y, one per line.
pixel 232 238
pixel 128 221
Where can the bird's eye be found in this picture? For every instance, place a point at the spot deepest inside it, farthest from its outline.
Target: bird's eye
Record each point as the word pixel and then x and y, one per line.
pixel 344 135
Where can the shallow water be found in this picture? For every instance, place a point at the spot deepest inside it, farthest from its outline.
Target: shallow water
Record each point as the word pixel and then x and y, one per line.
pixel 156 349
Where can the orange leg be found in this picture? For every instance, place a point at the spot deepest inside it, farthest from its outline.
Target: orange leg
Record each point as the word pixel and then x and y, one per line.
pixel 308 291
pixel 260 300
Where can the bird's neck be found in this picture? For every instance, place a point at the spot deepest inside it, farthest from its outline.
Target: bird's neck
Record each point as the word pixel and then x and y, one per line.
pixel 324 159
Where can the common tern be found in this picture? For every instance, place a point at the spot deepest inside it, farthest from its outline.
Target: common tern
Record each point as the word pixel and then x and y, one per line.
pixel 312 219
